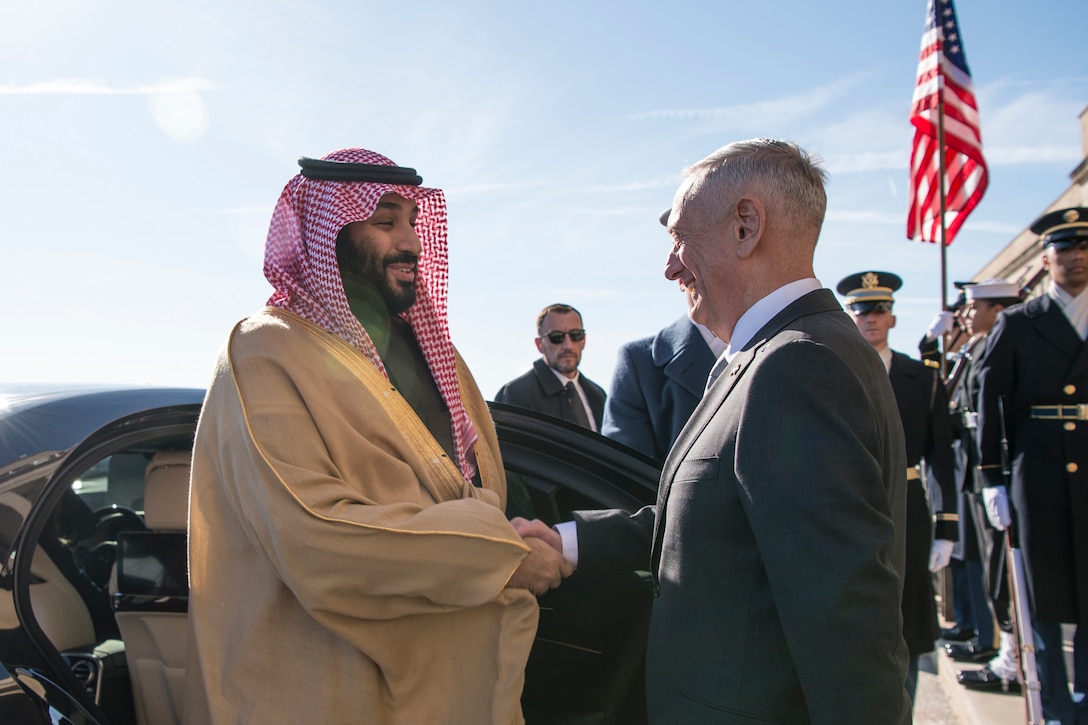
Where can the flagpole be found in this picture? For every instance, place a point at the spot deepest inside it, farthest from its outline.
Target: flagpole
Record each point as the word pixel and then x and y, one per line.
pixel 944 230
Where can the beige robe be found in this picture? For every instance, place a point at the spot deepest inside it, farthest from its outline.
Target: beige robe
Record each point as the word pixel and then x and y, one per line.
pixel 341 569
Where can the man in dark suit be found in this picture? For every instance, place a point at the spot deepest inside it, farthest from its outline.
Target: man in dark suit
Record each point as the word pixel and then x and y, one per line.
pixel 658 381
pixel 1035 371
pixel 776 545
pixel 931 489
pixel 554 386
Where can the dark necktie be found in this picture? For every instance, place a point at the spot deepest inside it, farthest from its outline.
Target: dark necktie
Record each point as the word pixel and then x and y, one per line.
pixel 573 410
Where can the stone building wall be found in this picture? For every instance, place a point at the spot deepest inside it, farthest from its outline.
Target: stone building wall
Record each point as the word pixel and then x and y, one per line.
pixel 1020 261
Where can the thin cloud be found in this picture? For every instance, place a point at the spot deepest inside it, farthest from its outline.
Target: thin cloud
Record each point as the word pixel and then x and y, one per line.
pixel 491 188
pixel 89 87
pixel 889 219
pixel 1008 155
pixel 995 156
pixel 794 105
pixel 243 210
pixel 868 161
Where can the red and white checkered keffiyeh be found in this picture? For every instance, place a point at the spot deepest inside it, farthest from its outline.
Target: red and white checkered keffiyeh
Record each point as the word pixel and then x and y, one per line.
pixel 300 262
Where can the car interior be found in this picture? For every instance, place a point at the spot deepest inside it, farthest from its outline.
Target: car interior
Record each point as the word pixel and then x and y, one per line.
pixel 109 590
pixel 109 585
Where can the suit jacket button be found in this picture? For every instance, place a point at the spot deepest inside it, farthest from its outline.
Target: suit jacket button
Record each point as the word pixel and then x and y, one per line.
pixel 1071 467
pixel 1069 389
pixel 1070 425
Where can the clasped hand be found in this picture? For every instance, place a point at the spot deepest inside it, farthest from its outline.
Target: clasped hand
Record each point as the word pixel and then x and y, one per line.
pixel 545 567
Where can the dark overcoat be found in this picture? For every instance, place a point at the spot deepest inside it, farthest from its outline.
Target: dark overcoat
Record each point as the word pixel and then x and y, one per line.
pixel 540 390
pixel 656 385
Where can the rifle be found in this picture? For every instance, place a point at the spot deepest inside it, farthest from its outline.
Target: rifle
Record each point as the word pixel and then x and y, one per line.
pixel 959 366
pixel 1021 617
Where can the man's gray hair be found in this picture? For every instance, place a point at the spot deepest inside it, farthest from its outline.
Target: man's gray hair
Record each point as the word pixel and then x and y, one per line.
pixel 783 173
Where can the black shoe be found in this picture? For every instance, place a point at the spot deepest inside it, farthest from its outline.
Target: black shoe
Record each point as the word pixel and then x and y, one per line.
pixel 985 679
pixel 957 634
pixel 968 651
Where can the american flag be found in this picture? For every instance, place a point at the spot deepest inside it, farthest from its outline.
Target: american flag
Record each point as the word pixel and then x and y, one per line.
pixel 942 68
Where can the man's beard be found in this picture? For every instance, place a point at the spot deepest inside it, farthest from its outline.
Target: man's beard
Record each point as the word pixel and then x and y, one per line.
pixel 368 268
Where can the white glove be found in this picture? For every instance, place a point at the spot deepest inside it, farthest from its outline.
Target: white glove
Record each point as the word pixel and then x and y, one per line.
pixel 941 324
pixel 940 553
pixel 996 499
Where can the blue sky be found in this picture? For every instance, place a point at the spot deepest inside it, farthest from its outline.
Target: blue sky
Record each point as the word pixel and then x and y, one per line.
pixel 146 144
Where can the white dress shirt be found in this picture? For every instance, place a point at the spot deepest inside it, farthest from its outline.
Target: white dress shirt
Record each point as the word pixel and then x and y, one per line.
pixel 581 394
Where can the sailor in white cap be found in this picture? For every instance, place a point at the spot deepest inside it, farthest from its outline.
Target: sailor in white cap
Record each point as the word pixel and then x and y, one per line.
pixel 980 546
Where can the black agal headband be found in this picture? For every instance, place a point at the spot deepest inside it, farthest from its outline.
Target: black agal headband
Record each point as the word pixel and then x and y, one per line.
pixel 322 170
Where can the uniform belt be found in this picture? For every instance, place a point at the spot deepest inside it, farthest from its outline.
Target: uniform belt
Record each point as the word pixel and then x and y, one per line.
pixel 1060 412
pixel 912 473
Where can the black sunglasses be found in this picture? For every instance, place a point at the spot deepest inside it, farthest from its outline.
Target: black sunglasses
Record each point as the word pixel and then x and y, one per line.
pixel 556 337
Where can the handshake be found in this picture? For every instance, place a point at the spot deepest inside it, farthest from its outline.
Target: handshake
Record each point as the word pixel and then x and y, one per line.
pixel 545 567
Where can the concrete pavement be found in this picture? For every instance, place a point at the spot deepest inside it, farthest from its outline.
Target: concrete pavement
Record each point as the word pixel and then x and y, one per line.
pixel 941 700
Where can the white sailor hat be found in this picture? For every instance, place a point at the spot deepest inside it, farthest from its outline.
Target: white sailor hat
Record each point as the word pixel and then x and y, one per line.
pixel 992 289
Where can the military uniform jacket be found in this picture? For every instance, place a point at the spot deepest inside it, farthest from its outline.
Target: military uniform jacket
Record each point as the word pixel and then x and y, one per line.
pixel 963 417
pixel 1034 357
pixel 923 409
pixel 963 410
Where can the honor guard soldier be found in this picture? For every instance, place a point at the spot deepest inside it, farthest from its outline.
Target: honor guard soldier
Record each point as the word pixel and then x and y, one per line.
pixel 1033 459
pixel 982 585
pixel 923 409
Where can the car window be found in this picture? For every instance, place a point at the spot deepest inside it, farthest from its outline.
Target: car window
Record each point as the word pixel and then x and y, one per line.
pixel 116 480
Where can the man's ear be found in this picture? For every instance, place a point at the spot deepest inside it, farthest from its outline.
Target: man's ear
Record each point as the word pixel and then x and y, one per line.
pixel 893 322
pixel 748 224
pixel 539 345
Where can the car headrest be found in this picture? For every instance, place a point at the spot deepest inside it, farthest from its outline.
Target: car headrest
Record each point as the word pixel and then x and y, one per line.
pixel 166 493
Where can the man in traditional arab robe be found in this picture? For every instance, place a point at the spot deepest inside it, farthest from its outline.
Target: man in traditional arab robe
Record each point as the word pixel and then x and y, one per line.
pixel 349 558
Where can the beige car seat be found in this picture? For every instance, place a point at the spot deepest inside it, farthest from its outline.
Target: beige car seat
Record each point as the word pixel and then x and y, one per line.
pixel 152 592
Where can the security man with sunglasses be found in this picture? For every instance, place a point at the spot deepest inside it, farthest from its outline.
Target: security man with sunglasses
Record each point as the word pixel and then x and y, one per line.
pixel 1033 451
pixel 554 385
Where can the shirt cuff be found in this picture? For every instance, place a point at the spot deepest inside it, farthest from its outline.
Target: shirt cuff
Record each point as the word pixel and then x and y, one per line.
pixel 568 532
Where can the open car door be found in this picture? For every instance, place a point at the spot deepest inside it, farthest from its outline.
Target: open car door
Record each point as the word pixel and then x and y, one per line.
pixel 588 658
pixel 68 509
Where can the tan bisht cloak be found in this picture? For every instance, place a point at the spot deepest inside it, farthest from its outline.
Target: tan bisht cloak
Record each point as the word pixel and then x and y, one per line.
pixel 335 547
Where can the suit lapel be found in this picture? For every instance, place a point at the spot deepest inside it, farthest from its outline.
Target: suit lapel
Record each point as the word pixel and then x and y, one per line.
pixel 700 419
pixel 817 301
pixel 681 351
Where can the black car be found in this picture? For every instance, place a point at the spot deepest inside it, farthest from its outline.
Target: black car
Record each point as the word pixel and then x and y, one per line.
pixel 93 590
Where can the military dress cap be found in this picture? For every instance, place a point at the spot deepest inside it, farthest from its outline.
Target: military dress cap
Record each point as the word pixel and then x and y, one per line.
pixel 869 291
pixel 992 289
pixel 1062 228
